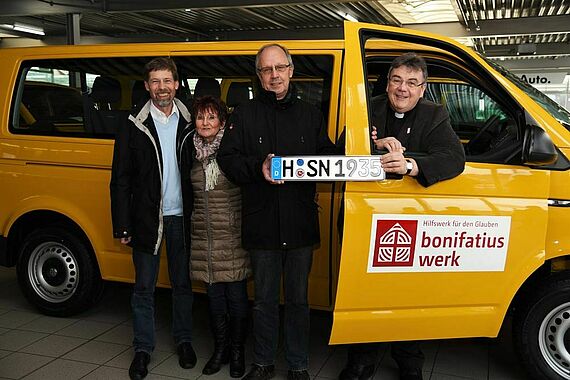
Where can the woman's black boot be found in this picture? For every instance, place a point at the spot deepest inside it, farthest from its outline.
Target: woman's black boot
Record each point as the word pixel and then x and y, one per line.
pixel 221 355
pixel 237 356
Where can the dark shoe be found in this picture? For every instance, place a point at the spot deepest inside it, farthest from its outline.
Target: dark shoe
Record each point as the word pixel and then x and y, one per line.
pixel 221 354
pixel 138 370
pixel 357 372
pixel 186 355
pixel 238 329
pixel 259 372
pixel 411 374
pixel 298 375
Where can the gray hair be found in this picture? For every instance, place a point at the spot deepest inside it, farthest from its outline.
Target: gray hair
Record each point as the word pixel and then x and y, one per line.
pixel 261 49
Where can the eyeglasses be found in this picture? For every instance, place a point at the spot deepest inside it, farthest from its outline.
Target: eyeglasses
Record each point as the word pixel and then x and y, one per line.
pixel 269 70
pixel 411 84
pixel 211 117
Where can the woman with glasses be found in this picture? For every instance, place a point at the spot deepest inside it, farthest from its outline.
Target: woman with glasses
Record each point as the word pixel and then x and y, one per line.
pixel 217 257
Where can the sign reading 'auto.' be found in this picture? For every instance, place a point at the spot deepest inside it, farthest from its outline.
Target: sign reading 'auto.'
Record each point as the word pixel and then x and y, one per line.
pixel 438 243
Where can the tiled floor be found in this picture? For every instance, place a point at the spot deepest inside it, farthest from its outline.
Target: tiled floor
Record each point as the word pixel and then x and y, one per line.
pixel 96 345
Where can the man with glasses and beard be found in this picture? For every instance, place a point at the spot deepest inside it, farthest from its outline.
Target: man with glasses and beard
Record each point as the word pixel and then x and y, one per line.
pixel 149 181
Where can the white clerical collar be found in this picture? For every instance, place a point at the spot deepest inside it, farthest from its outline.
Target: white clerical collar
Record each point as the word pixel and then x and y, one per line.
pixel 159 116
pixel 398 115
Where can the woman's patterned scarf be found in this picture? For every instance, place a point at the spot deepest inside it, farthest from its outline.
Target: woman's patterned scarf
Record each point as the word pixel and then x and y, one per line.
pixel 206 154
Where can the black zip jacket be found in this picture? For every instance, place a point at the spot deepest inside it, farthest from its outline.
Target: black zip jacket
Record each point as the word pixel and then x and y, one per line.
pixel 274 216
pixel 136 179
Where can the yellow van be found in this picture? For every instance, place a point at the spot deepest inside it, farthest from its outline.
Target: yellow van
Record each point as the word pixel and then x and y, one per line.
pixel 490 241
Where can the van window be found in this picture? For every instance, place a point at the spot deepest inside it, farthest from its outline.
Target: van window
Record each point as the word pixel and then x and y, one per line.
pixel 555 109
pixel 488 130
pixel 92 97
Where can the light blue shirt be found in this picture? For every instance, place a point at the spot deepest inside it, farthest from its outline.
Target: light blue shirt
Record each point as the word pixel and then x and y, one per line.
pixel 166 127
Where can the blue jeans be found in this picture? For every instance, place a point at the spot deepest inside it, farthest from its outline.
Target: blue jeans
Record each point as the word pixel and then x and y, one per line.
pixel 228 296
pixel 268 267
pixel 146 273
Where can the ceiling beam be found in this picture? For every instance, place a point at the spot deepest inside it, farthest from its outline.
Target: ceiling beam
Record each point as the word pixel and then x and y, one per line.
pixel 541 50
pixel 557 64
pixel 500 27
pixel 153 21
pixel 37 7
pixel 265 18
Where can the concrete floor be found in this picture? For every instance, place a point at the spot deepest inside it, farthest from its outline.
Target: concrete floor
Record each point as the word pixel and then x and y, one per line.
pixel 97 344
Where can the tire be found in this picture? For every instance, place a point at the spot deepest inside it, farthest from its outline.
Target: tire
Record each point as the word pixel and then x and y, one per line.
pixel 541 329
pixel 58 273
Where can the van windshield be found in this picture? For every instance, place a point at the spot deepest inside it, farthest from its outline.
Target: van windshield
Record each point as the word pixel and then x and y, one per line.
pixel 555 109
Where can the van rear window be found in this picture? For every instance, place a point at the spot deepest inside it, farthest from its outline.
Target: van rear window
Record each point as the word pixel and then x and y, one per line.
pixel 92 97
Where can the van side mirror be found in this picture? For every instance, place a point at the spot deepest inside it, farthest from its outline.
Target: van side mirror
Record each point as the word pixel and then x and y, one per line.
pixel 538 149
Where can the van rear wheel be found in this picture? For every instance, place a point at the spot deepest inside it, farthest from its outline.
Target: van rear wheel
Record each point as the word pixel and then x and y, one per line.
pixel 58 273
pixel 541 330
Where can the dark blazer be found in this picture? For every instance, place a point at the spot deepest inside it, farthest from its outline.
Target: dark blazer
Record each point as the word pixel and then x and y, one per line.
pixel 136 183
pixel 431 134
pixel 274 216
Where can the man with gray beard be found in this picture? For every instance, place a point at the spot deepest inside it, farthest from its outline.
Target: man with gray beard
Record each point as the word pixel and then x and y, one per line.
pixel 150 178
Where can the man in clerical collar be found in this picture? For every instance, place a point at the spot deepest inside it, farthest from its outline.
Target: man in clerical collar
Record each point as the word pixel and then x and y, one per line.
pixel 404 122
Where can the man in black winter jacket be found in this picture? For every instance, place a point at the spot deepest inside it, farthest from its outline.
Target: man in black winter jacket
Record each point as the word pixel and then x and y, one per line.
pixel 150 178
pixel 280 220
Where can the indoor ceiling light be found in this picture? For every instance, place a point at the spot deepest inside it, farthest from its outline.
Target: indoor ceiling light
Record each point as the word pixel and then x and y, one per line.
pixel 25 28
pixel 29 29
pixel 421 11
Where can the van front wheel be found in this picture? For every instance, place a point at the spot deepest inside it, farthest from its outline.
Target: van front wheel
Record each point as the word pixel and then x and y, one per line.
pixel 57 272
pixel 541 330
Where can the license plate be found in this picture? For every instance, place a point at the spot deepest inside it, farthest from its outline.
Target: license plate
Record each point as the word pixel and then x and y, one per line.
pixel 327 168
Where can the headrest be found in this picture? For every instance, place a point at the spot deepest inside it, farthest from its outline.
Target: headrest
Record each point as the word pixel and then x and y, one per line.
pixel 238 93
pixel 139 94
pixel 106 90
pixel 379 86
pixel 207 86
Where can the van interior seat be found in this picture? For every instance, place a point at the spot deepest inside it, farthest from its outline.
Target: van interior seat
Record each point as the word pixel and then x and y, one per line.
pixel 139 94
pixel 480 142
pixel 105 91
pixel 505 148
pixel 101 116
pixel 379 87
pixel 238 93
pixel 207 86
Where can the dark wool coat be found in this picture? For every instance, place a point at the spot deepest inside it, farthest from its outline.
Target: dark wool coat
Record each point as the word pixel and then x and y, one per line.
pixel 431 134
pixel 274 216
pixel 217 255
pixel 136 179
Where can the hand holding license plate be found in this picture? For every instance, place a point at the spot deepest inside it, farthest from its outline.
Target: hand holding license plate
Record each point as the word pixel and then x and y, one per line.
pixel 327 168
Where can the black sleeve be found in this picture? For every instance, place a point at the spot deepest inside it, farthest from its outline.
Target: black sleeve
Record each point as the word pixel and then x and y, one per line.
pixel 444 157
pixel 120 186
pixel 232 156
pixel 324 143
